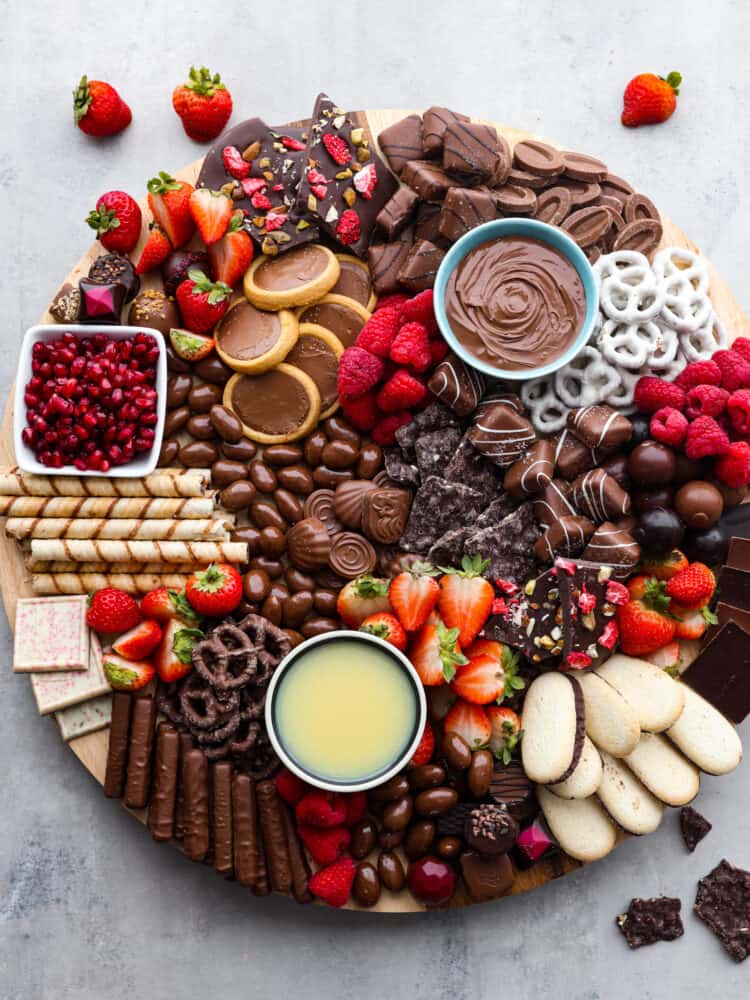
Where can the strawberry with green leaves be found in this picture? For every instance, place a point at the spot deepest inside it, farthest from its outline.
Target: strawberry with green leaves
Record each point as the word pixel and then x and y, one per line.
pixel 644 622
pixel 692 588
pixel 98 109
pixel 190 346
pixel 163 604
pixel 174 656
pixel 212 212
pixel 435 654
pixel 127 675
pixel 215 591
pixel 169 201
pixel 203 104
pixel 691 623
pixel 202 302
pixel 465 600
pixel 470 722
pixel 385 626
pixel 481 680
pixel 360 598
pixel 231 255
pixel 414 594
pixel 506 732
pixel 116 221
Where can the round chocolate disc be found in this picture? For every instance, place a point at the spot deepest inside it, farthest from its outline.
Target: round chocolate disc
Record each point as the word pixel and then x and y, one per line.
pixel 351 555
pixel 275 406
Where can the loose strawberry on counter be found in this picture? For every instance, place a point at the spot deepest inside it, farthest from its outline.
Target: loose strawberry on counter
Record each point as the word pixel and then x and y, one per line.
pixel 650 99
pixel 117 221
pixel 203 104
pixel 98 110
pixel 202 302
pixel 215 591
pixel 169 201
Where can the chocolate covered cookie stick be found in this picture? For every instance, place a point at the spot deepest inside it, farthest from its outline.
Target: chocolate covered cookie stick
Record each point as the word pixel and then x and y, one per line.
pixel 117 755
pixel 186 743
pixel 221 817
pixel 140 753
pixel 297 860
pixel 166 764
pixel 195 781
pixel 248 861
pixel 274 836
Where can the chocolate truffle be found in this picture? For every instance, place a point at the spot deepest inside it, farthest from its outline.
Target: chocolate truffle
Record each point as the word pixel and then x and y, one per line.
pixel 152 308
pixel 651 464
pixel 175 268
pixel 490 829
pixel 101 303
pixel 600 426
pixel 659 531
pixel 699 504
pixel 116 267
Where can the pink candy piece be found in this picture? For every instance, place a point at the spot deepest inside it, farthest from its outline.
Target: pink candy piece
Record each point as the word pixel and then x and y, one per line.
pixel 535 840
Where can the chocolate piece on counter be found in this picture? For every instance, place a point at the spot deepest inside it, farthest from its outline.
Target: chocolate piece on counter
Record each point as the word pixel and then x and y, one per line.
pixel 66 305
pixel 734 587
pixel 438 506
pixel 273 828
pixel 298 864
pixel 531 620
pixel 398 469
pixel 101 303
pixel 738 556
pixel 152 308
pixel 463 209
pixel 349 501
pixel 195 791
pixel 428 179
pixel 221 817
pixel 650 920
pixel 117 755
pixel 693 826
pixel 699 504
pixel 434 450
pixel 572 457
pixel 249 863
pixel 486 877
pixel 501 434
pixel 471 150
pixel 600 497
pixel 554 502
pixel 186 743
pixel 723 904
pixel 509 786
pixel 721 672
pixel 320 506
pixel 419 270
pixel 613 547
pixel 138 782
pixel 402 142
pixel 384 515
pixel 398 213
pixel 308 544
pixel 111 267
pixel 457 385
pixel 532 472
pixel 600 426
pixel 509 546
pixel 565 537
pixel 512 199
pixel 432 418
pixel 553 205
pixel 175 268
pixel 386 260
pixel 351 555
pixel 490 829
pixel 469 467
pixel 435 121
pixel 163 795
pixel 588 615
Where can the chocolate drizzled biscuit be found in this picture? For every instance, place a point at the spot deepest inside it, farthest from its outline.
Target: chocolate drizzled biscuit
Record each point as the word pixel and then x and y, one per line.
pixel 427 223
pixel 195 785
pixel 419 270
pixel 434 123
pixel 117 754
pixel 464 209
pixel 221 817
pixel 398 213
pixel 274 836
pixel 386 261
pixel 166 765
pixel 402 142
pixel 140 751
pixel 471 150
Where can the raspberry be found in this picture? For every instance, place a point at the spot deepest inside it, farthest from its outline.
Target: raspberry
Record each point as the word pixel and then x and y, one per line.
pixel 420 309
pixel 384 432
pixel 738 408
pixel 733 468
pixel 334 883
pixel 705 437
pixel 365 180
pixel 234 165
pixel 412 347
pixel 393 301
pixel 321 809
pixel 706 401
pixel 669 426
pixel 699 373
pixel 735 369
pixel 652 393
pixel 348 231
pixel 358 371
pixel 439 350
pixel 742 346
pixel 363 412
pixel 289 786
pixel 400 392
pixel 337 148
pixel 356 808
pixel 324 845
pixel 379 332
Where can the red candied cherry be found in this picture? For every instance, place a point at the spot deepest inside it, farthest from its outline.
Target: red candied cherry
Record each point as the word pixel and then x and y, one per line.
pixel 431 881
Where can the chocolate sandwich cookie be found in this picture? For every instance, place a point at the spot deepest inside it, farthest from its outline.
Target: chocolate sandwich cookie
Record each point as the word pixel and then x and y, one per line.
pixel 464 209
pixel 355 281
pixel 386 261
pixel 101 303
pixel 398 213
pixel 195 792
pixel 276 406
pixel 344 317
pixel 166 765
pixel 221 817
pixel 138 782
pixel 299 277
pixel 153 309
pixel 66 305
pixel 116 267
pixel 435 121
pixel 252 340
pixel 419 270
pixel 402 142
pixel 457 385
pixel 317 352
pixel 117 754
pixel 273 828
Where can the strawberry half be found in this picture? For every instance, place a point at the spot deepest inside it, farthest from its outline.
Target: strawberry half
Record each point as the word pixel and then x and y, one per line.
pixel 231 255
pixel 470 722
pixel 435 654
pixel 360 598
pixel 692 623
pixel 425 747
pixel 164 604
pixel 385 626
pixel 191 346
pixel 481 680
pixel 169 201
pixel 413 595
pixel 139 642
pixel 465 600
pixel 506 732
pixel 156 250
pixel 211 212
pixel 174 656
pixel 127 675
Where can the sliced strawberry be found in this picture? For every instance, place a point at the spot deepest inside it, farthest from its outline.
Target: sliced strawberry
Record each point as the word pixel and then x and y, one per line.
pixel 413 595
pixel 164 604
pixel 481 680
pixel 174 655
pixel 506 731
pixel 367 595
pixel 211 211
pixel 231 255
pixel 155 251
pixel 324 845
pixel 127 675
pixel 169 201
pixel 465 600
pixel 470 722
pixel 668 658
pixel 435 654
pixel 385 626
pixel 139 642
pixel 691 623
pixel 191 346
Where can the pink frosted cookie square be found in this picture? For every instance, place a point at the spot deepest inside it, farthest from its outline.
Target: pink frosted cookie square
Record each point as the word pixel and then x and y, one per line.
pixel 51 635
pixel 61 690
pixel 87 717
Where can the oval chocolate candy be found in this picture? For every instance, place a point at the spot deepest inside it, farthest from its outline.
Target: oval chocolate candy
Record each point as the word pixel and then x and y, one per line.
pixel 538 158
pixel 588 225
pixel 553 205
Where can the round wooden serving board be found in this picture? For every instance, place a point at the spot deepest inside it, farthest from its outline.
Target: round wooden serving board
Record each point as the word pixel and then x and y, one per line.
pixel 91 750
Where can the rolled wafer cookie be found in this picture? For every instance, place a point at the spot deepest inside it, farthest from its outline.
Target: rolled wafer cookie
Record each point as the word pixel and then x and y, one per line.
pixel 162 483
pixel 109 507
pixel 85 583
pixel 128 528
pixel 96 550
pixel 65 566
pixel 274 836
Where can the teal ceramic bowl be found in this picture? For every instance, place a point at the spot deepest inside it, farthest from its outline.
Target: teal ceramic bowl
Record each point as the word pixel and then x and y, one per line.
pixel 556 238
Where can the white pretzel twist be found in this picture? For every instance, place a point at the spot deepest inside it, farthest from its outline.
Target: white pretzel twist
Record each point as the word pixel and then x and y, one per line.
pixel 547 413
pixel 613 264
pixel 632 296
pixel 631 345
pixel 678 262
pixel 622 396
pixel 697 345
pixel 586 380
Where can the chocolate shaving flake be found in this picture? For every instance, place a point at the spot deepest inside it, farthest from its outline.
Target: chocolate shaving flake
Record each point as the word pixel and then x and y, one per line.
pixel 693 826
pixel 723 903
pixel 650 920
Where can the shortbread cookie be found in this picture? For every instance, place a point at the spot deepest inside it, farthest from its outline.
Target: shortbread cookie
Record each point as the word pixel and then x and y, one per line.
pixel 317 353
pixel 293 279
pixel 663 770
pixel 655 697
pixel 253 340
pixel 276 406
pixel 580 826
pixel 585 779
pixel 627 801
pixel 553 725
pixel 705 736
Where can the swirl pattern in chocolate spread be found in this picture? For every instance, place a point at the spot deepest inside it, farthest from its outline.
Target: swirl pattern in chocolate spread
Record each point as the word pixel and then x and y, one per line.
pixel 515 303
pixel 351 555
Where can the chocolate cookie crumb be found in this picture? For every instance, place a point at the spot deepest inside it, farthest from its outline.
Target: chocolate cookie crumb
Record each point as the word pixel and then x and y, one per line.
pixel 723 903
pixel 650 920
pixel 694 827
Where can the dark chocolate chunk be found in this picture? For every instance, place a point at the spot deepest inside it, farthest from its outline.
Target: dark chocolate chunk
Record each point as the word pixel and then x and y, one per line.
pixel 435 449
pixel 588 615
pixel 693 826
pixel 398 469
pixel 500 508
pixel 723 903
pixel 434 123
pixel 116 267
pixel 397 213
pixel 734 587
pixel 508 546
pixel 468 466
pixel 532 619
pixel 721 672
pixel 428 179
pixel 463 209
pixel 449 548
pixel 471 150
pixel 419 270
pixel 386 260
pixel 438 506
pixel 432 418
pixel 650 920
pixel 402 142
pixel 101 303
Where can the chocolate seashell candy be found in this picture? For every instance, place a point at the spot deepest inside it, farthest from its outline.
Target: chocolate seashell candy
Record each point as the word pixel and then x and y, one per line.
pixel 308 544
pixel 348 501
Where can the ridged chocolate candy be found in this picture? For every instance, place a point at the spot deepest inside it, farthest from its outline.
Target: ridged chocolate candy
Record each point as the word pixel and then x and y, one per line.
pixel 566 537
pixel 532 472
pixel 348 501
pixel 320 505
pixel 350 556
pixel 308 544
pixel 384 514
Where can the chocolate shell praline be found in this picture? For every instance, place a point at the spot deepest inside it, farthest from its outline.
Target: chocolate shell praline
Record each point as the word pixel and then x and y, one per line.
pixel 348 501
pixel 152 308
pixel 351 555
pixel 651 464
pixel 308 544
pixel 384 515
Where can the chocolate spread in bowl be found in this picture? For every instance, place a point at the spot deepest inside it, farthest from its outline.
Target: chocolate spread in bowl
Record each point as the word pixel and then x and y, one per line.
pixel 515 303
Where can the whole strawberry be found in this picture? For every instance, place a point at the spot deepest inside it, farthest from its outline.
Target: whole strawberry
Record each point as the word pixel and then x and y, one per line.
pixel 202 302
pixel 98 109
pixel 203 104
pixel 650 99
pixel 117 221
pixel 692 588
pixel 214 591
pixel 111 610
pixel 643 622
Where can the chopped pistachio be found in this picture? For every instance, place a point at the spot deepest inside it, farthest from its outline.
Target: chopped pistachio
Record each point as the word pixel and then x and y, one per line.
pixel 349 196
pixel 268 174
pixel 312 203
pixel 269 247
pixel 227 188
pixel 303 224
pixel 343 175
pixel 264 162
pixel 363 154
pixel 357 135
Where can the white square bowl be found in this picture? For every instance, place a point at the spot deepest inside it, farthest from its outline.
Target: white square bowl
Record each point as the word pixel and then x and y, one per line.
pixel 140 466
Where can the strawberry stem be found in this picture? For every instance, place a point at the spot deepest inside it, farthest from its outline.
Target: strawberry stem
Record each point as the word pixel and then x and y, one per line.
pixel 103 220
pixel 163 183
pixel 201 82
pixel 81 99
pixel 674 79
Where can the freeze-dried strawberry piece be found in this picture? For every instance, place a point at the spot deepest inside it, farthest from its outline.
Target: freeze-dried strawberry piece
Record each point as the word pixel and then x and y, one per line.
pixel 260 201
pixel 319 190
pixel 316 177
pixel 252 184
pixel 337 148
pixel 289 143
pixel 348 230
pixel 234 165
pixel 275 220
pixel 365 180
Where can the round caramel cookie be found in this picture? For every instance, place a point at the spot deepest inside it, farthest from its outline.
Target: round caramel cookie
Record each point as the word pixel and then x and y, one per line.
pixel 292 279
pixel 317 353
pixel 252 340
pixel 355 281
pixel 342 316
pixel 276 406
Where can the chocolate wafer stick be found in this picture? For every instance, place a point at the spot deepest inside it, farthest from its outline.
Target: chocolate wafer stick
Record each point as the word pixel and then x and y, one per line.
pixel 161 810
pixel 221 817
pixel 246 836
pixel 297 860
pixel 195 781
pixel 140 752
pixel 117 755
pixel 186 743
pixel 274 836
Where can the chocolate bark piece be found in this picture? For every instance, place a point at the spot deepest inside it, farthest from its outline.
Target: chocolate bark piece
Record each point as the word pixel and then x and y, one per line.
pixel 512 199
pixel 537 158
pixel 448 550
pixel 508 546
pixel 385 261
pixel 457 385
pixel 721 672
pixel 434 451
pixel 116 267
pixel 428 179
pixel 398 212
pixel 599 496
pixel 402 142
pixel 532 472
pixel 613 547
pixel 464 209
pixel 427 223
pixel 140 751
pixel 650 920
pixel 117 754
pixel 221 817
pixel 693 826
pixel 398 469
pixel 432 418
pixel 588 616
pixel 276 157
pixel 600 426
pixel 572 456
pixel 501 434
pixel 434 123
pixel 166 765
pixel 468 466
pixel 274 836
pixel 419 270
pixel 297 860
pixel 554 502
pixel 101 303
pixel 531 621
pixel 723 904
pixel 195 782
pixel 66 305
pixel 500 508
pixel 438 506
pixel 486 877
pixel 470 150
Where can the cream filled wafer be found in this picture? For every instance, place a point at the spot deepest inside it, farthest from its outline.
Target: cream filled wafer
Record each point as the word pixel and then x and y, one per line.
pixel 274 836
pixel 100 550
pixel 195 793
pixel 140 752
pixel 127 528
pixel 105 507
pixel 166 763
pixel 162 483
pixel 86 583
pixel 66 566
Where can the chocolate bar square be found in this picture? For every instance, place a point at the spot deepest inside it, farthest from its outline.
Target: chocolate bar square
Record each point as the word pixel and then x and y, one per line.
pixel 733 587
pixel 720 673
pixel 532 621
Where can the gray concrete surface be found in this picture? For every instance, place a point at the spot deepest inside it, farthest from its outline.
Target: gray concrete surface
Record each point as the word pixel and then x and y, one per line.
pixel 89 906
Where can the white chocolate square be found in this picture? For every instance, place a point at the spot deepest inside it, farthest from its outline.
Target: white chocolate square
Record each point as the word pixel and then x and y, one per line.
pixel 51 635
